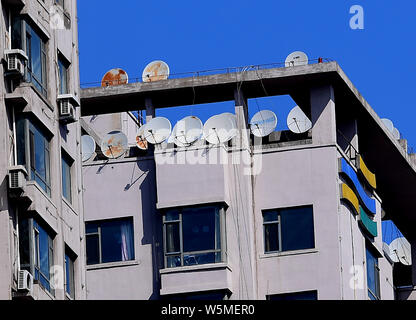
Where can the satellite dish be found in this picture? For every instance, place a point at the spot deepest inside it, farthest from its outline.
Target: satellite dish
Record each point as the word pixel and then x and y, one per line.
pixel 297 121
pixel 186 131
pixel 233 118
pixel 140 138
pixel 87 147
pixel 400 251
pixel 389 124
pixel 396 134
pixel 115 77
pixel 297 58
pixel 114 144
pixel 220 128
pixel 157 130
pixel 386 249
pixel 155 71
pixel 263 123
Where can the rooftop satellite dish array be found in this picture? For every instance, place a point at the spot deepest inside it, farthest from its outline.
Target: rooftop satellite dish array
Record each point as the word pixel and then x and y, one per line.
pixel 391 128
pixel 218 129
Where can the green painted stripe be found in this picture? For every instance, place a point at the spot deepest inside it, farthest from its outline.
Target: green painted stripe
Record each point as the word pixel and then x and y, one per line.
pixel 367 223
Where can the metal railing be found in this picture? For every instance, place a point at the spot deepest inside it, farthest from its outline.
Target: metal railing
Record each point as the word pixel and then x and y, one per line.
pixel 201 73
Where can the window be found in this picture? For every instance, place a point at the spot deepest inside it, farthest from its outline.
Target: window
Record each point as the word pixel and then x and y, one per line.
pixel 33 152
pixel 60 2
pixel 193 236
pixel 288 229
pixel 36 251
pixel 216 295
pixel 36 52
pixel 110 241
pixel 66 176
pixel 306 295
pixel 63 66
pixel 373 275
pixel 69 275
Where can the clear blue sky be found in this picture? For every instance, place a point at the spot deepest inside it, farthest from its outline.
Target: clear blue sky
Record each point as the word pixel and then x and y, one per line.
pixel 192 35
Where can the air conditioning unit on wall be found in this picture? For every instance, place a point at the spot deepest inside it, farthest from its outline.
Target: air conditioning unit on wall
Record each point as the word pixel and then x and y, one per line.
pixel 67 104
pixel 17 180
pixel 16 61
pixel 25 281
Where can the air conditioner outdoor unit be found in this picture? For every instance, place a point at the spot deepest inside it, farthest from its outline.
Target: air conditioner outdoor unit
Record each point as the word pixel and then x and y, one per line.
pixel 16 60
pixel 67 104
pixel 25 281
pixel 17 179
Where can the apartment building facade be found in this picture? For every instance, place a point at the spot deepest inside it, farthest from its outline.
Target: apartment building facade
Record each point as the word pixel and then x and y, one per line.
pixel 41 214
pixel 284 217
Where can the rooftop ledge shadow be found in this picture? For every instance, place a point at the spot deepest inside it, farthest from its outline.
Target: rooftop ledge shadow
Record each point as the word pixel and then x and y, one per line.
pixel 396 173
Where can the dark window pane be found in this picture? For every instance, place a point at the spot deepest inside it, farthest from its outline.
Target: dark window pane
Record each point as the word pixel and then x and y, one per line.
pixel 91 227
pixel 198 229
pixel 201 258
pixel 173 261
pixel 172 238
pixel 372 275
pixel 69 276
pixel 24 241
pixel 172 215
pixel 66 179
pixel 17 33
pixel 117 241
pixel 271 237
pixel 21 147
pixel 269 216
pixel 307 295
pixel 44 252
pixel 297 228
pixel 63 77
pixel 93 254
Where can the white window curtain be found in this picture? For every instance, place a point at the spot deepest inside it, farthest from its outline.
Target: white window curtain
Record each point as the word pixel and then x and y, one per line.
pixel 127 244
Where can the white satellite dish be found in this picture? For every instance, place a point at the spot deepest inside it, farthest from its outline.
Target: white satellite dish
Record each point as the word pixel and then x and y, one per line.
pixel 114 144
pixel 400 251
pixel 157 130
pixel 297 121
pixel 396 134
pixel 219 129
pixel 388 123
pixel 263 123
pixel 233 118
pixel 386 249
pixel 186 131
pixel 155 71
pixel 297 58
pixel 141 141
pixel 87 147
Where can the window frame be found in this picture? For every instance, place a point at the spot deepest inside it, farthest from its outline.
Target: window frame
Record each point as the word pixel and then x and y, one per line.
pixel 222 236
pixel 71 282
pixel 33 230
pixel 27 145
pixel 376 295
pixel 40 84
pixel 281 227
pixel 63 69
pixel 99 234
pixel 66 170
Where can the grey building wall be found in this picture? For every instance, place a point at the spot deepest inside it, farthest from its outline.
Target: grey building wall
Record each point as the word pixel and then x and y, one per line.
pixel 65 219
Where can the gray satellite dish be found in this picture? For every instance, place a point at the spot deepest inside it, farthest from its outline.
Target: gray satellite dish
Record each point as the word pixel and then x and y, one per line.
pixel 114 144
pixel 231 116
pixel 219 129
pixel 155 71
pixel 297 58
pixel 263 123
pixel 186 131
pixel 400 251
pixel 87 147
pixel 297 121
pixel 388 123
pixel 157 130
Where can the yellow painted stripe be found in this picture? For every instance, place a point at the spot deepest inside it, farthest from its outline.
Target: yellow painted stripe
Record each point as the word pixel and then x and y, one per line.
pixel 368 175
pixel 349 195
